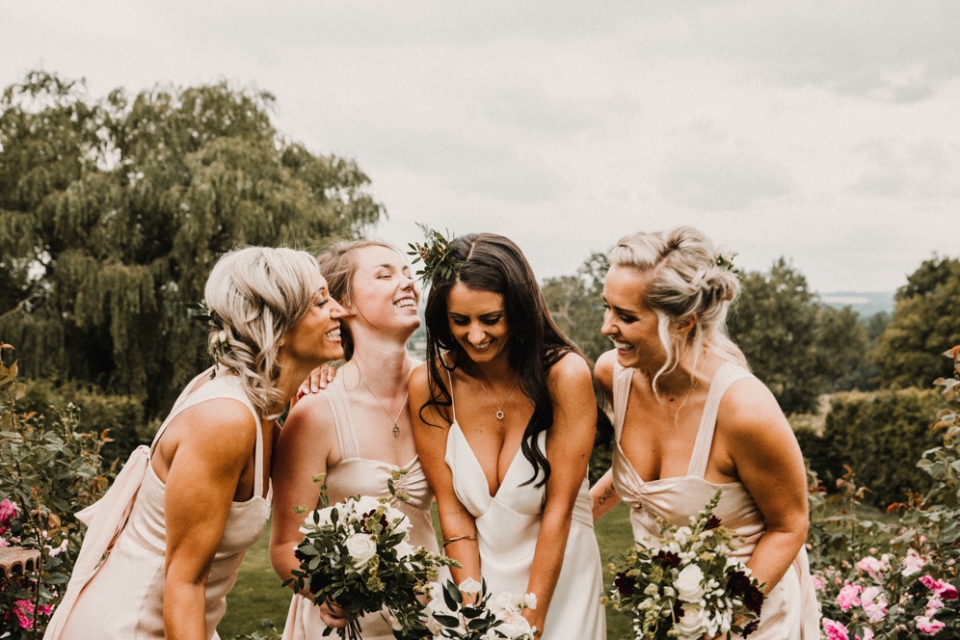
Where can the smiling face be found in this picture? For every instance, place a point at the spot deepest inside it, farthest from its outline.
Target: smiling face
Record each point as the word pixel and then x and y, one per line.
pixel 478 323
pixel 315 338
pixel 384 293
pixel 631 325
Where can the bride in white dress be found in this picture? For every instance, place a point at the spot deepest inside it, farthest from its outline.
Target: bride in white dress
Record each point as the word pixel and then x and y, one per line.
pixel 504 418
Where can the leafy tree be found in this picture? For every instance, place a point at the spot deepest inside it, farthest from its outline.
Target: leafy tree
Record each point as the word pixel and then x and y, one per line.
pixel 799 347
pixel 112 213
pixel 924 324
pixel 576 304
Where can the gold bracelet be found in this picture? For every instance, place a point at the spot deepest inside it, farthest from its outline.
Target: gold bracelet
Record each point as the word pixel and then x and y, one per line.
pixel 457 538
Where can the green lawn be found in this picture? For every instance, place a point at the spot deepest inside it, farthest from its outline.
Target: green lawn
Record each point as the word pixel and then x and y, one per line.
pixel 258 594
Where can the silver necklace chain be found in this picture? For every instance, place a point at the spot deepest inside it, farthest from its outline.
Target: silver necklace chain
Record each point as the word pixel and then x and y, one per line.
pixel 396 426
pixel 499 408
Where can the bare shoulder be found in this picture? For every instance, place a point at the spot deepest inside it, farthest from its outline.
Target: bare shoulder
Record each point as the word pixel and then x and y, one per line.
pixel 311 415
pixel 222 426
pixel 749 411
pixel 604 369
pixel 571 368
pixel 418 378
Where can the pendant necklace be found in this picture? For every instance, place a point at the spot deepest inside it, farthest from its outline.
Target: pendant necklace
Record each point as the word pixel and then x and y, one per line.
pixel 500 408
pixel 396 426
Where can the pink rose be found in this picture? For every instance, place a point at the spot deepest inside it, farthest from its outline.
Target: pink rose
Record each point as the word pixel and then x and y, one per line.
pixel 928 626
pixel 873 566
pixel 835 630
pixel 24 611
pixel 867 635
pixel 945 590
pixel 912 563
pixel 848 596
pixel 817 582
pixel 934 604
pixel 874 604
pixel 7 510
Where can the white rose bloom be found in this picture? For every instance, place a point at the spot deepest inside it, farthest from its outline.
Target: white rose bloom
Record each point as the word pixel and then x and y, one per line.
pixel 361 548
pixel 506 602
pixel 433 626
pixel 688 584
pixel 366 504
pixel 530 600
pixel 404 549
pixel 323 520
pixel 691 625
pixel 470 586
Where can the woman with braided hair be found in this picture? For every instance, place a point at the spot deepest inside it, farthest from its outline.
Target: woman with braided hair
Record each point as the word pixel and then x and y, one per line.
pixel 182 513
pixel 505 416
pixel 690 418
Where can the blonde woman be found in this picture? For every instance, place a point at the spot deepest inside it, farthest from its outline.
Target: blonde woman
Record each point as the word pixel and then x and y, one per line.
pixel 690 418
pixel 357 430
pixel 200 495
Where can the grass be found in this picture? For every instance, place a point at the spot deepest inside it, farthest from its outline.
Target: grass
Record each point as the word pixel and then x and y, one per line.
pixel 257 595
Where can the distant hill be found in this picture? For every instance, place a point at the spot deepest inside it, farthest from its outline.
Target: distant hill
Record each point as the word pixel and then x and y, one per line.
pixel 864 303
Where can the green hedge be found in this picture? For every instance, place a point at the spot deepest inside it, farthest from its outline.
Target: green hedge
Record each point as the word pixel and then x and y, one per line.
pixel 880 435
pixel 122 415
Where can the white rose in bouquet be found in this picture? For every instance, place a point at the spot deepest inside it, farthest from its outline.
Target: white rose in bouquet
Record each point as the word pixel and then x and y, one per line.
pixel 404 549
pixel 365 504
pixel 361 548
pixel 691 625
pixel 689 584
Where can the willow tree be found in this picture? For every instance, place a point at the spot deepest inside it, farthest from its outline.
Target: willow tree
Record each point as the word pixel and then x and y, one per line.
pixel 113 211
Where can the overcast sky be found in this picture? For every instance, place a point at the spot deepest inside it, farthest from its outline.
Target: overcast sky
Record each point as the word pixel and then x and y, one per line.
pixel 827 132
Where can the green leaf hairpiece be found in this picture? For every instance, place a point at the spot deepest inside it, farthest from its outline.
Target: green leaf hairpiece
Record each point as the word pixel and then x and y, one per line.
pixel 438 260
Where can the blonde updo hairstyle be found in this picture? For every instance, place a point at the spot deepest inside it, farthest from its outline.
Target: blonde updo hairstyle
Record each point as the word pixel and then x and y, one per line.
pixel 255 295
pixel 338 264
pixel 686 282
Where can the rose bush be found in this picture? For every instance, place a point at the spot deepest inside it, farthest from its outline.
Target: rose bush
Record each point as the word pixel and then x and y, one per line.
pixel 879 580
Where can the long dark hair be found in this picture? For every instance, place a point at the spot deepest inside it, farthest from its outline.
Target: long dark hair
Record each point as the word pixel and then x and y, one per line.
pixel 489 262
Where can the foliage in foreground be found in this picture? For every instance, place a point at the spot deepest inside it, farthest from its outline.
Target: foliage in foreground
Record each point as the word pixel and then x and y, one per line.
pixel 51 470
pixel 894 581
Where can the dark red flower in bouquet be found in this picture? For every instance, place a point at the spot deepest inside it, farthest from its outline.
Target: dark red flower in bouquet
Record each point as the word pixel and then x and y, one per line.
pixel 677 610
pixel 384 523
pixel 737 584
pixel 318 581
pixel 667 559
pixel 624 584
pixel 712 523
pixel 300 555
pixel 750 628
pixel 753 599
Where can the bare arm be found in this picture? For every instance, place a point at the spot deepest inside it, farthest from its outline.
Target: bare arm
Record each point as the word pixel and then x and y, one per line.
pixel 455 520
pixel 569 444
pixel 211 452
pixel 302 452
pixel 604 494
pixel 769 464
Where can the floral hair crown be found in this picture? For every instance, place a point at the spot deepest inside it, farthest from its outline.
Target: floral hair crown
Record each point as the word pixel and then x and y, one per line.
pixel 200 312
pixel 438 260
pixel 724 259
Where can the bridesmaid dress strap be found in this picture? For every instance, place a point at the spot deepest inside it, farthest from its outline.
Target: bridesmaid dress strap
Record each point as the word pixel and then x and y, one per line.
pixel 622 379
pixel 453 405
pixel 336 398
pixel 727 374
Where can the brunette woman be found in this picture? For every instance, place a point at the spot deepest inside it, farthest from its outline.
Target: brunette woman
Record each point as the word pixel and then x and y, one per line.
pixel 505 417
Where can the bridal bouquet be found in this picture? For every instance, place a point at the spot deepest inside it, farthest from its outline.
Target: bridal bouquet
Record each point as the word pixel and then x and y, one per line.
pixel 690 586
pixel 356 553
pixel 447 615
